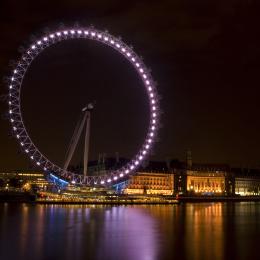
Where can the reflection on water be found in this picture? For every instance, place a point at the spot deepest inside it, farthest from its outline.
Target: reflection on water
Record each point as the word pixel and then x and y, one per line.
pixel 188 231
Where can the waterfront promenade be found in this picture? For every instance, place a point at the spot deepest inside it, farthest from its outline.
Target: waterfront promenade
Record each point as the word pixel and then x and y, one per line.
pixel 113 199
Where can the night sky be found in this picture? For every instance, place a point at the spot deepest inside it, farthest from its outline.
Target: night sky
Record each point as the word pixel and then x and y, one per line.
pixel 204 55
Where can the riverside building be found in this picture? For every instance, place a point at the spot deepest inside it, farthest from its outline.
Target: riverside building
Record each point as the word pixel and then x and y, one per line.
pixel 24 180
pixel 247 182
pixel 150 183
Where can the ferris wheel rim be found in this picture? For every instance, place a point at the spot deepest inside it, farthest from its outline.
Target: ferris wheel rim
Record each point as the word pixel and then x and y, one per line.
pixel 15 112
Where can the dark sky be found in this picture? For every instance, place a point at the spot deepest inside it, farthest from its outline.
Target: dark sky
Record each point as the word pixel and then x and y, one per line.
pixel 204 55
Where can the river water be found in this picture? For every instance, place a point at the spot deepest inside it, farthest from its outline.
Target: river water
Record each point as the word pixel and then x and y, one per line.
pixel 186 231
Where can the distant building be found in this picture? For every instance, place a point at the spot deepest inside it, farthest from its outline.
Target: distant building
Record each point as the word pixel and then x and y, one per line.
pixel 152 178
pixel 202 179
pixel 100 166
pixel 169 177
pixel 150 183
pixel 207 179
pixel 177 177
pixel 247 181
pixel 24 179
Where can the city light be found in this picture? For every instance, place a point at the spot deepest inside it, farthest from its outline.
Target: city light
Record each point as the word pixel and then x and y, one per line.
pixel 96 35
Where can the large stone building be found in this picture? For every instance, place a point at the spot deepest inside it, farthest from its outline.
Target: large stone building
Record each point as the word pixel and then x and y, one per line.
pixel 150 183
pixel 206 179
pixel 202 179
pixel 191 179
pixel 152 178
pixel 177 177
pixel 246 182
pixel 168 178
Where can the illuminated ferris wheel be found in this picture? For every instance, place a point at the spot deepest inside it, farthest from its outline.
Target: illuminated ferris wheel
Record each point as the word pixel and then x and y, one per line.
pixel 15 110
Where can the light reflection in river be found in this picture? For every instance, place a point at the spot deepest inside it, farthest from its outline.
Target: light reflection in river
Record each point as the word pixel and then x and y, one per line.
pixel 187 231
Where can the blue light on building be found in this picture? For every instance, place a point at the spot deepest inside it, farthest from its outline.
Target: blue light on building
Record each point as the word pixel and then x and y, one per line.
pixel 58 181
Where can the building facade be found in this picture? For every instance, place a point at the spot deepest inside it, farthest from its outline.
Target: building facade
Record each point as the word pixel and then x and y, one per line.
pixel 24 180
pixel 247 186
pixel 150 183
pixel 247 182
pixel 204 182
pixel 202 179
pixel 161 178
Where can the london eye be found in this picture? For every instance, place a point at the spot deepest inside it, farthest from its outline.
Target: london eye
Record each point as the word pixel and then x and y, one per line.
pixel 40 159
